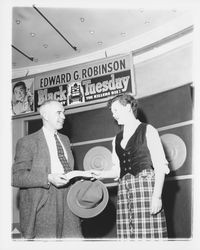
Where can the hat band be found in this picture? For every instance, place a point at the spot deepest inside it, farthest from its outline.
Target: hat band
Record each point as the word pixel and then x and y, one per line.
pixel 87 204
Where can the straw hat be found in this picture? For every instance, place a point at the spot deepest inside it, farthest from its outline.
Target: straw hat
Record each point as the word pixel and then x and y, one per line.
pixel 98 158
pixel 175 150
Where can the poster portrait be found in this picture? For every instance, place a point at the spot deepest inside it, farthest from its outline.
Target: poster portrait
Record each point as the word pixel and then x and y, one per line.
pixel 22 96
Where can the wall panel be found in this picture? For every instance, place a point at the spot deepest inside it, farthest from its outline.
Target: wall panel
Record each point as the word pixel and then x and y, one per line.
pixel 90 125
pixel 177 201
pixel 167 108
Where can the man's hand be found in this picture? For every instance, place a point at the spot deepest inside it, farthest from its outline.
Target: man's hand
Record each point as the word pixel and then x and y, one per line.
pixel 78 173
pixel 58 180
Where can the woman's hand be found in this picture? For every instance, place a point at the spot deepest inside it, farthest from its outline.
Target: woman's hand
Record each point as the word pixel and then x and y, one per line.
pixel 89 174
pixel 156 205
pixel 97 174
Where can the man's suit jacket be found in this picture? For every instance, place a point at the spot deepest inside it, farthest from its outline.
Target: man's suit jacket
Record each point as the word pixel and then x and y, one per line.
pixel 30 172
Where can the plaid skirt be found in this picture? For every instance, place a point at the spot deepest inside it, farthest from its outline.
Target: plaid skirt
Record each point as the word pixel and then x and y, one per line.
pixel 134 219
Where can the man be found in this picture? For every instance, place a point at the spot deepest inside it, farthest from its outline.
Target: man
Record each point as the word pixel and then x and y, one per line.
pixel 40 175
pixel 22 102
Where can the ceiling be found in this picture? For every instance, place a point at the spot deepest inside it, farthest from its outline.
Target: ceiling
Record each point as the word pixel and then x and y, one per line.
pixel 77 31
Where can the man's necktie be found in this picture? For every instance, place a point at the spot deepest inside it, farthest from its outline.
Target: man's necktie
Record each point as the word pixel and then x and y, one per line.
pixel 61 155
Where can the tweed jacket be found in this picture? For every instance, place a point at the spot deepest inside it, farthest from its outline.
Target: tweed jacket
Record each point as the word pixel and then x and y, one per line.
pixel 30 174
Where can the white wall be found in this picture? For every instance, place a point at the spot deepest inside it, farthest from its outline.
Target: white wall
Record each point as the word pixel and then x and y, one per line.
pixel 164 72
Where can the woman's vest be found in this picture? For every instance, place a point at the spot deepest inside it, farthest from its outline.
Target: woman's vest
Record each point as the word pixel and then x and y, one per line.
pixel 136 156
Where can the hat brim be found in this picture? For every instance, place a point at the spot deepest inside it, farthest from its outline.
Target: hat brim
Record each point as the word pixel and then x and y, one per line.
pixel 98 158
pixel 81 211
pixel 175 150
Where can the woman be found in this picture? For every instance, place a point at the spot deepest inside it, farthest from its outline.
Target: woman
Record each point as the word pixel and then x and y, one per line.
pixel 140 164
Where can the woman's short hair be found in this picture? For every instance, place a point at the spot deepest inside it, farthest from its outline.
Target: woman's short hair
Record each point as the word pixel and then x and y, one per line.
pixel 124 99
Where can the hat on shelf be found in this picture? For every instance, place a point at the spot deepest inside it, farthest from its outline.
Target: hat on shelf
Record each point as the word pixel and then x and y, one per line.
pixel 175 150
pixel 87 198
pixel 98 158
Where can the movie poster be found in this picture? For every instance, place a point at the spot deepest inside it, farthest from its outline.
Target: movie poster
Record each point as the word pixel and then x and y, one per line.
pixel 87 83
pixel 23 96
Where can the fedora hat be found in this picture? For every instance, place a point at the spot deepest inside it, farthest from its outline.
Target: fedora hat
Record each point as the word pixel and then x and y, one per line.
pixel 98 158
pixel 87 198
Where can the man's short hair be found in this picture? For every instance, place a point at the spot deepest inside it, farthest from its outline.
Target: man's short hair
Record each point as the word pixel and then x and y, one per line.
pixel 19 84
pixel 44 105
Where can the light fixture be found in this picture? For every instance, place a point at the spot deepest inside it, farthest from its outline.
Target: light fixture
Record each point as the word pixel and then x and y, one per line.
pixel 73 47
pixel 123 33
pixel 100 43
pixel 92 32
pixel 18 21
pixel 32 34
pixel 21 52
pixel 82 19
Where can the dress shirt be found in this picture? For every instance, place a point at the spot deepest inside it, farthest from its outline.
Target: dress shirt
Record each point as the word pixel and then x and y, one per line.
pixel 56 166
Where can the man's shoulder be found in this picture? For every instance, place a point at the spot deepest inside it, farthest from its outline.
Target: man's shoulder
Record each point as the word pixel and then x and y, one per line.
pixel 31 137
pixel 63 136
